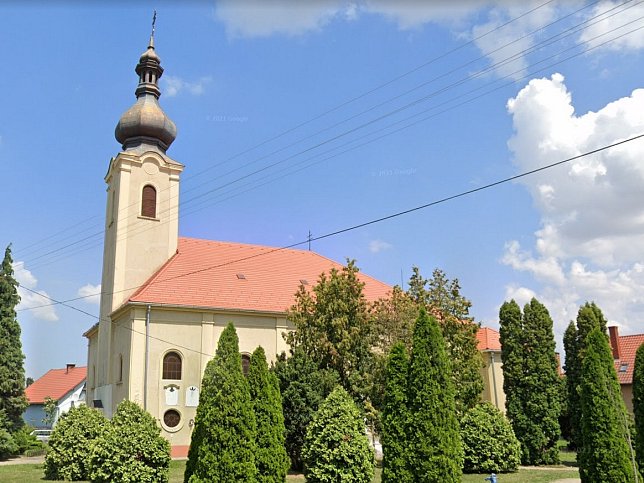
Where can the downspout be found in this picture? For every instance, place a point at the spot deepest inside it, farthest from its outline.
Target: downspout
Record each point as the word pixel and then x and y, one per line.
pixel 496 397
pixel 147 356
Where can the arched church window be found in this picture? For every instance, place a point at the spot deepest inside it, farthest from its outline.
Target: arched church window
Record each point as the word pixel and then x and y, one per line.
pixel 172 366
pixel 245 364
pixel 149 201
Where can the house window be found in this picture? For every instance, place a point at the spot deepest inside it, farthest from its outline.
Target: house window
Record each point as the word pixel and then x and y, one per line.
pixel 623 367
pixel 171 418
pixel 172 366
pixel 245 364
pixel 149 202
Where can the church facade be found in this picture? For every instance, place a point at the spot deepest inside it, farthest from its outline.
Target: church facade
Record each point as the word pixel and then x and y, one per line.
pixel 165 299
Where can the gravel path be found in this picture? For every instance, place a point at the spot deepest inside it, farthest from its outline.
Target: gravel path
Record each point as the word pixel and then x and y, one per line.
pixel 23 460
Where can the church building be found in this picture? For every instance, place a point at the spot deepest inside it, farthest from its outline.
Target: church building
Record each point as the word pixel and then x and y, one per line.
pixel 166 299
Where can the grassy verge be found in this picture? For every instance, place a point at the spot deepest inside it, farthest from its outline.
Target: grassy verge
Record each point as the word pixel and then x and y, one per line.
pixel 34 473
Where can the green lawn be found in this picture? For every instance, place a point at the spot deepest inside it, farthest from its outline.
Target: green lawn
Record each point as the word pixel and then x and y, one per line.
pixel 34 473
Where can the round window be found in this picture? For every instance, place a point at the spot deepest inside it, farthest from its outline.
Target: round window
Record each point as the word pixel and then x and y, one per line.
pixel 171 418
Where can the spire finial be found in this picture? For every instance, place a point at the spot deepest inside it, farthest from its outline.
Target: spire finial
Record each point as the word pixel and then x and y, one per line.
pixel 154 21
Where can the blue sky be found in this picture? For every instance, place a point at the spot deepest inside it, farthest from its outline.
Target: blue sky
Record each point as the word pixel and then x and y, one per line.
pixel 483 90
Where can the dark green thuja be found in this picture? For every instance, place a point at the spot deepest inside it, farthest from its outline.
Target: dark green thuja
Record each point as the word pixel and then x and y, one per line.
pixel 395 418
pixel 638 405
pixel 222 447
pixel 605 454
pixel 271 459
pixel 531 380
pixel 435 452
pixel 12 371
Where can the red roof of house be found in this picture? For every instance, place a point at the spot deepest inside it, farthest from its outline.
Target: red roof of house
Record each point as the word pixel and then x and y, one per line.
pixel 237 276
pixel 56 383
pixel 488 339
pixel 627 347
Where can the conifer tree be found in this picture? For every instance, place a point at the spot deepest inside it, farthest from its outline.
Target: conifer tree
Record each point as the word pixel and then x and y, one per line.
pixel 589 317
pixel 395 419
pixel 531 380
pixel 638 405
pixel 222 447
pixel 511 338
pixel 12 372
pixel 336 448
pixel 573 374
pixel 435 443
pixel 271 459
pixel 605 454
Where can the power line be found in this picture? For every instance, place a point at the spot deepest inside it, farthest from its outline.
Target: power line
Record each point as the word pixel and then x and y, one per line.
pixel 343 104
pixel 353 227
pixel 511 75
pixel 462 81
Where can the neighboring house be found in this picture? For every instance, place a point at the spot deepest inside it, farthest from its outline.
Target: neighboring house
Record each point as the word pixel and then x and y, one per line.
pixel 490 347
pixel 65 386
pixel 624 348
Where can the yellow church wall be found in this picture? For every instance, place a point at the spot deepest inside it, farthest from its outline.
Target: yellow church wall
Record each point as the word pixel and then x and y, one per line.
pixel 492 374
pixel 191 333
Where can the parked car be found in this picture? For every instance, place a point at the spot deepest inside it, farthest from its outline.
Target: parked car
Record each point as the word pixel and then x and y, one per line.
pixel 42 434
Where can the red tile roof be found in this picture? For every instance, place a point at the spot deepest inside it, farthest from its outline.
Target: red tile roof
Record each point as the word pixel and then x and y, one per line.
pixel 488 339
pixel 628 345
pixel 223 275
pixel 56 383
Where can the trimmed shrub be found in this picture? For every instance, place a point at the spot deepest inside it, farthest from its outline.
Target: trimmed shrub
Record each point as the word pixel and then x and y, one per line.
pixel 8 446
pixel 27 442
pixel 271 459
pixel 336 448
pixel 70 443
pixel 131 449
pixel 222 447
pixel 489 443
pixel 395 418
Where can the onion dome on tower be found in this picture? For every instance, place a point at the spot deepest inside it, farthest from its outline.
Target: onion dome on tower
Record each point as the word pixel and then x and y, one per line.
pixel 145 122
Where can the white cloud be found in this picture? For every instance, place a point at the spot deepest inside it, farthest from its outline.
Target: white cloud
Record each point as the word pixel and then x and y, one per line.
pixel 92 292
pixel 30 299
pixel 615 22
pixel 377 246
pixel 506 46
pixel 173 85
pixel 592 209
pixel 254 18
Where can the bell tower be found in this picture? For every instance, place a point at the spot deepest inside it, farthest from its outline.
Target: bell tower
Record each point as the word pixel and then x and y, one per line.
pixel 142 215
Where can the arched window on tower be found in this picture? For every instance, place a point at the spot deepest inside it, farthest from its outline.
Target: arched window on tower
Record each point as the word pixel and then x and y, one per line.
pixel 172 366
pixel 149 202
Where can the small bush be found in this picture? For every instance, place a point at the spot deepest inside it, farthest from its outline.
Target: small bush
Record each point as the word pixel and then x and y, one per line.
pixel 488 441
pixel 336 447
pixel 70 444
pixel 27 442
pixel 8 446
pixel 131 449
